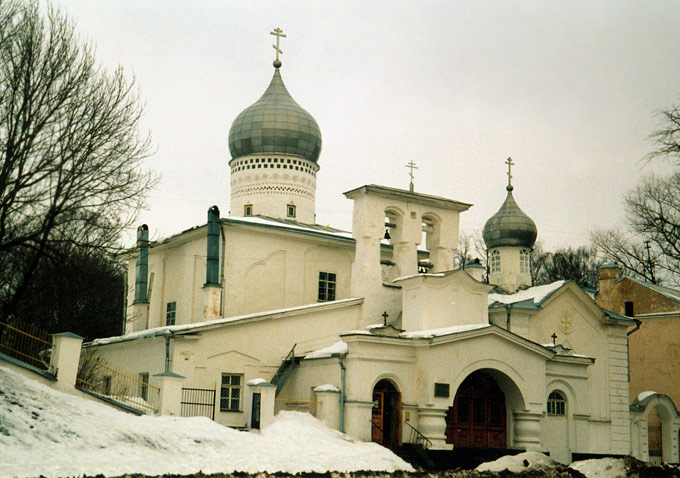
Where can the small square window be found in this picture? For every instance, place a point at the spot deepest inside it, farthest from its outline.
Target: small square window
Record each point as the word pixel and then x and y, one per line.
pixel 291 210
pixel 171 313
pixel 248 210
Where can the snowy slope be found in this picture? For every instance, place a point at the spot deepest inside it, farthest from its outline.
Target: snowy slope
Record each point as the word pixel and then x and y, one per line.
pixel 46 432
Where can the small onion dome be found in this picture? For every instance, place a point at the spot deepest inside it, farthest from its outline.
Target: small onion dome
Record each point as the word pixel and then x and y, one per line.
pixel 275 124
pixel 509 226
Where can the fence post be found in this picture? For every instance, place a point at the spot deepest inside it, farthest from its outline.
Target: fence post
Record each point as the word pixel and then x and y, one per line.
pixel 171 393
pixel 65 359
pixel 328 405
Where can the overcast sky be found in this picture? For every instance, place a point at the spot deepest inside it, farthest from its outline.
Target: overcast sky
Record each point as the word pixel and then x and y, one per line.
pixel 568 89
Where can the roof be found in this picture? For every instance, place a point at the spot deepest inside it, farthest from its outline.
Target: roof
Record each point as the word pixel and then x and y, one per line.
pixel 509 226
pixel 170 330
pixel 528 298
pixel 672 294
pixel 409 196
pixel 275 124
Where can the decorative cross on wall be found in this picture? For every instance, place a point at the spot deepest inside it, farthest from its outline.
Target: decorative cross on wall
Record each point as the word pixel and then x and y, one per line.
pixel 385 315
pixel 278 33
pixel 411 165
pixel 554 337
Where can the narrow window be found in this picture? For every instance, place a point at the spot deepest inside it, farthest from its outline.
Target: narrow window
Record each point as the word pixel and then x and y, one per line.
pixel 326 286
pixel 628 308
pixel 144 385
pixel 495 261
pixel 171 313
pixel 291 210
pixel 524 261
pixel 230 392
pixel 248 210
pixel 557 405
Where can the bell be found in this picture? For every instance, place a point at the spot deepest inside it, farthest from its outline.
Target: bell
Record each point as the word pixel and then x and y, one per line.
pixel 387 234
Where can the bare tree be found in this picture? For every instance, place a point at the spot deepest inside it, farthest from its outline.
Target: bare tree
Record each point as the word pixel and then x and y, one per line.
pixel 667 139
pixel 579 265
pixel 70 150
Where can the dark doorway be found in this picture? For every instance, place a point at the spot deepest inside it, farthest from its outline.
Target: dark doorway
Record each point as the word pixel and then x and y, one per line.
pixel 477 418
pixel 255 412
pixel 386 414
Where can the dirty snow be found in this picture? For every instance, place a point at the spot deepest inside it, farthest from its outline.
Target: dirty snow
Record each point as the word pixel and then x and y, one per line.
pixel 338 348
pixel 601 468
pixel 47 432
pixel 518 463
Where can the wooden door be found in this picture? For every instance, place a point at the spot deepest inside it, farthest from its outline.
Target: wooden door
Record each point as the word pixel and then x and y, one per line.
pixel 386 415
pixel 377 416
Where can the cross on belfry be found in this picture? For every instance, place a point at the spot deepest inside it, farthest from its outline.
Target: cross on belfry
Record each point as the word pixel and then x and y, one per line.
pixel 411 165
pixel 554 337
pixel 278 33
pixel 510 164
pixel 385 315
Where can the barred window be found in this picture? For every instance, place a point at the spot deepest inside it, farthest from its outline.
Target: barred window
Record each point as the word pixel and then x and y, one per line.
pixel 557 405
pixel 326 286
pixel 230 392
pixel 523 261
pixel 495 261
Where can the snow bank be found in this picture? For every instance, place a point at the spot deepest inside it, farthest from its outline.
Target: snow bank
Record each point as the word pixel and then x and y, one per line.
pixel 518 463
pixel 46 432
pixel 601 468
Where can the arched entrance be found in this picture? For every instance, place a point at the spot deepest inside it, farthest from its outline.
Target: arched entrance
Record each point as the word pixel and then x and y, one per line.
pixel 655 437
pixel 386 414
pixel 477 418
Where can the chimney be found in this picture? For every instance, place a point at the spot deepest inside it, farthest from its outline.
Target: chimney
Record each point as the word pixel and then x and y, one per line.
pixel 212 290
pixel 142 270
pixel 140 307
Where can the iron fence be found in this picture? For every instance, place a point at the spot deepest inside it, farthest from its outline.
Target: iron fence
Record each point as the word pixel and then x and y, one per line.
pixel 97 376
pixel 25 342
pixel 198 402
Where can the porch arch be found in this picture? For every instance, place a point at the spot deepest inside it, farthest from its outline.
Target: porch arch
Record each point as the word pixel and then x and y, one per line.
pixel 655 403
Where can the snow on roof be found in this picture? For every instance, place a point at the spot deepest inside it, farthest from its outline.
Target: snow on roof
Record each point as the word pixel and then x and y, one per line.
pixel 171 329
pixel 428 334
pixel 536 294
pixel 431 274
pixel 326 388
pixel 291 224
pixel 643 395
pixel 338 348
pixel 256 381
pixel 49 433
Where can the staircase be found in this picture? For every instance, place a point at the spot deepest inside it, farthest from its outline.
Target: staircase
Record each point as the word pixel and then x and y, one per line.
pixel 415 455
pixel 285 370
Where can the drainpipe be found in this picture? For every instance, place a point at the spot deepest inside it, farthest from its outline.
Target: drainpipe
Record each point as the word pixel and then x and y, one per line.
pixel 142 269
pixel 638 323
pixel 213 260
pixel 342 392
pixel 508 311
pixel 224 241
pixel 168 336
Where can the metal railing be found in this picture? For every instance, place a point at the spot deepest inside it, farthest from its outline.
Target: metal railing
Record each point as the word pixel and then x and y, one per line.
pixel 97 376
pixel 417 438
pixel 25 342
pixel 295 405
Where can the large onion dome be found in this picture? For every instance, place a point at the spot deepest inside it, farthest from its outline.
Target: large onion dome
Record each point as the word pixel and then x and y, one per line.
pixel 275 124
pixel 509 226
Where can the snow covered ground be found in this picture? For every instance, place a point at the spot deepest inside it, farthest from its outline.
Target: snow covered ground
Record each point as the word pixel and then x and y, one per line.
pixel 46 432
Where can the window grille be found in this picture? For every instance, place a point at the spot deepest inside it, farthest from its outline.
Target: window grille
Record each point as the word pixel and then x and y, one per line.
pixel 230 392
pixel 557 405
pixel 171 313
pixel 495 261
pixel 326 286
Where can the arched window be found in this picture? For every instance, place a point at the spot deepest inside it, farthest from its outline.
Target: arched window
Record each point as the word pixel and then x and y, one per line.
pixel 523 261
pixel 557 405
pixel 495 261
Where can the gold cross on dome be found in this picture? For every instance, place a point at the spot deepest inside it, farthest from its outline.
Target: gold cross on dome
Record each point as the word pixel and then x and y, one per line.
pixel 411 165
pixel 510 165
pixel 278 33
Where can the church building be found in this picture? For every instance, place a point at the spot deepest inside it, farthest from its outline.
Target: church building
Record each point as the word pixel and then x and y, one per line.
pixel 376 329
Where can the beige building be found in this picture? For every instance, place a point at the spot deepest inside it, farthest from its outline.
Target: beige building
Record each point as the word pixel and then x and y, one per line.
pixel 377 331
